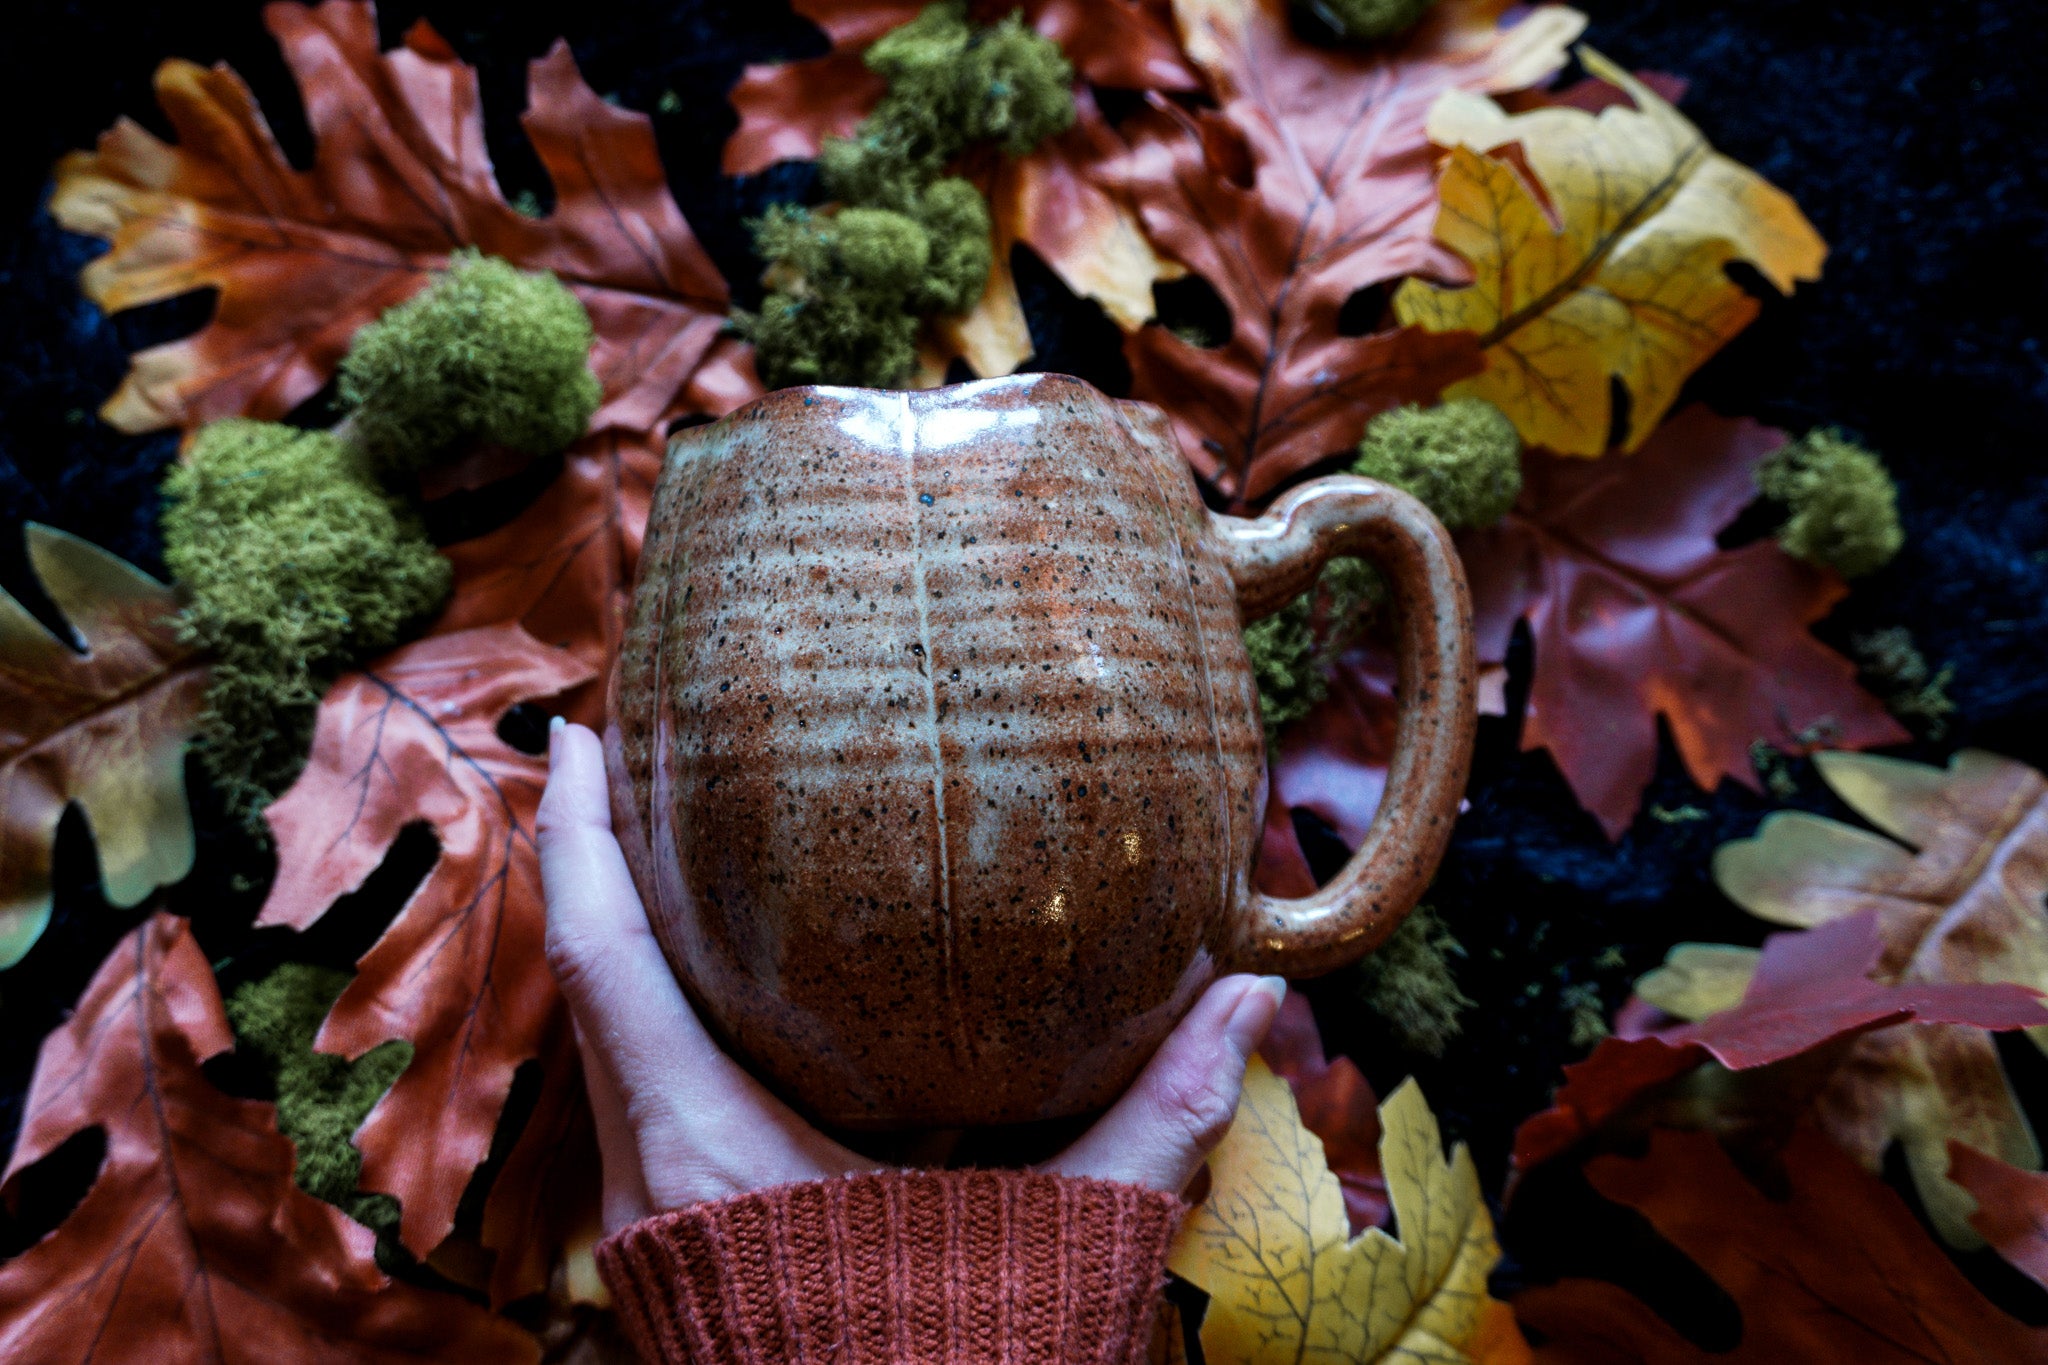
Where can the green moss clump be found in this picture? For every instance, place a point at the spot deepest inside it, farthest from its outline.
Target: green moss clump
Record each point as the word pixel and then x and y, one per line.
pixel 850 288
pixel 487 353
pixel 1898 672
pixel 321 1099
pixel 1409 983
pixel 1367 21
pixel 1293 650
pixel 296 565
pixel 1462 458
pixel 1585 1014
pixel 837 317
pixel 1843 507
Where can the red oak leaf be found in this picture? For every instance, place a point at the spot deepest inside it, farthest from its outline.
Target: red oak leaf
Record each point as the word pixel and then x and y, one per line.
pixel 1838 1271
pixel 2012 1207
pixel 1636 613
pixel 1315 179
pixel 192 1243
pixel 412 737
pixel 1810 989
pixel 400 179
pixel 788 109
pixel 1337 1105
pixel 563 569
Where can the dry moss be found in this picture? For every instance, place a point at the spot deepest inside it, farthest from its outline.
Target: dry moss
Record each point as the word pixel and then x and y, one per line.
pixel 1842 507
pixel 1409 983
pixel 487 353
pixel 850 286
pixel 1463 459
pixel 295 565
pixel 321 1098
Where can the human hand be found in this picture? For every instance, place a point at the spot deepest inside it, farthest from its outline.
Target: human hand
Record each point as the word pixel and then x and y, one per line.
pixel 679 1122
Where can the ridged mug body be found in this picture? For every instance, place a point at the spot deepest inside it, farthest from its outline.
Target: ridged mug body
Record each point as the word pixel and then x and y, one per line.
pixel 934 745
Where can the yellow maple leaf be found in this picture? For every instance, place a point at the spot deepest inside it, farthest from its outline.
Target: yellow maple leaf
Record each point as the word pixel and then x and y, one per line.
pixel 1286 1280
pixel 1621 275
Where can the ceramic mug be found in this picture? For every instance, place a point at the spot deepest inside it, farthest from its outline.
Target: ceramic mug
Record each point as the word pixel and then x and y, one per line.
pixel 936 754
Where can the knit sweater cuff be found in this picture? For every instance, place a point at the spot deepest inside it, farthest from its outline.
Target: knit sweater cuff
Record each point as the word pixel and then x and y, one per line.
pixel 942 1267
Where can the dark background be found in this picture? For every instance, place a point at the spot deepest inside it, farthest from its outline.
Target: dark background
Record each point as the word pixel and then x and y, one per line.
pixel 1907 130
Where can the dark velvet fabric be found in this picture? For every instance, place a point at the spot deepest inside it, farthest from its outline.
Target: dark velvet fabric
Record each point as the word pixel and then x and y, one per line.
pixel 1907 129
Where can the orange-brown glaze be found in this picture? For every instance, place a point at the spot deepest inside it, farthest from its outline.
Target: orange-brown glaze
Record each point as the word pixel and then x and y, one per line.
pixel 935 749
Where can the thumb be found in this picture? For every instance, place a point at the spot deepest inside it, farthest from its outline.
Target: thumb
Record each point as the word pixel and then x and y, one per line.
pixel 1181 1105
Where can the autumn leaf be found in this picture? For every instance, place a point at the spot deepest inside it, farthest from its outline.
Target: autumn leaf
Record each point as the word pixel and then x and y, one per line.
pixel 192 1243
pixel 564 568
pixel 1611 266
pixel 1334 760
pixel 1839 1270
pixel 460 973
pixel 1960 899
pixel 1286 1280
pixel 104 724
pixel 2012 1207
pixel 1636 613
pixel 400 179
pixel 1312 181
pixel 1809 990
pixel 1337 1104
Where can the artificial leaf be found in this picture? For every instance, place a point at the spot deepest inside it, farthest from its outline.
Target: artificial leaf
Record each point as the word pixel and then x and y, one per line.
pixel 1334 760
pixel 788 109
pixel 460 973
pixel 1961 901
pixel 1810 989
pixel 192 1243
pixel 1839 1270
pixel 400 179
pixel 1611 267
pixel 1637 613
pixel 1286 1281
pixel 1312 181
pixel 2012 1207
pixel 563 569
pixel 1337 1104
pixel 105 727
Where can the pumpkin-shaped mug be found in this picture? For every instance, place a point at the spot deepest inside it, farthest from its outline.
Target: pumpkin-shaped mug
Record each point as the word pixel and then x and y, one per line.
pixel 935 751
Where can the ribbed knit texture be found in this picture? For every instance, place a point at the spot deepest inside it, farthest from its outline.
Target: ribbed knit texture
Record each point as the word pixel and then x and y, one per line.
pixel 939 1268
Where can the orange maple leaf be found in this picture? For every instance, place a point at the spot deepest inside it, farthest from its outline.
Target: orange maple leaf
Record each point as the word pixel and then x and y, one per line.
pixel 400 179
pixel 460 972
pixel 1312 181
pixel 192 1243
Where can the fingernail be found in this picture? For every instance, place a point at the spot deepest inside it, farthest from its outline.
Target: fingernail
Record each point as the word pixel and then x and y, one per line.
pixel 1254 1014
pixel 555 724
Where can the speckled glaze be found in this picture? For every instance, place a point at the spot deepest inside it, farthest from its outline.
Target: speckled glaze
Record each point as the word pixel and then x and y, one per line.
pixel 935 750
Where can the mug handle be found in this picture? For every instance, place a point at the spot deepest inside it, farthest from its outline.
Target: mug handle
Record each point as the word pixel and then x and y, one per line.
pixel 1276 556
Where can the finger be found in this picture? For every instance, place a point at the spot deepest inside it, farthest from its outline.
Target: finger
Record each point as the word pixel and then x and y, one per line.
pixel 625 1000
pixel 1181 1105
pixel 625 1198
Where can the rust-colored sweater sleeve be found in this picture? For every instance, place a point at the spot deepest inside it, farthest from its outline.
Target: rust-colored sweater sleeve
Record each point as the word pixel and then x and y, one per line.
pixel 941 1268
